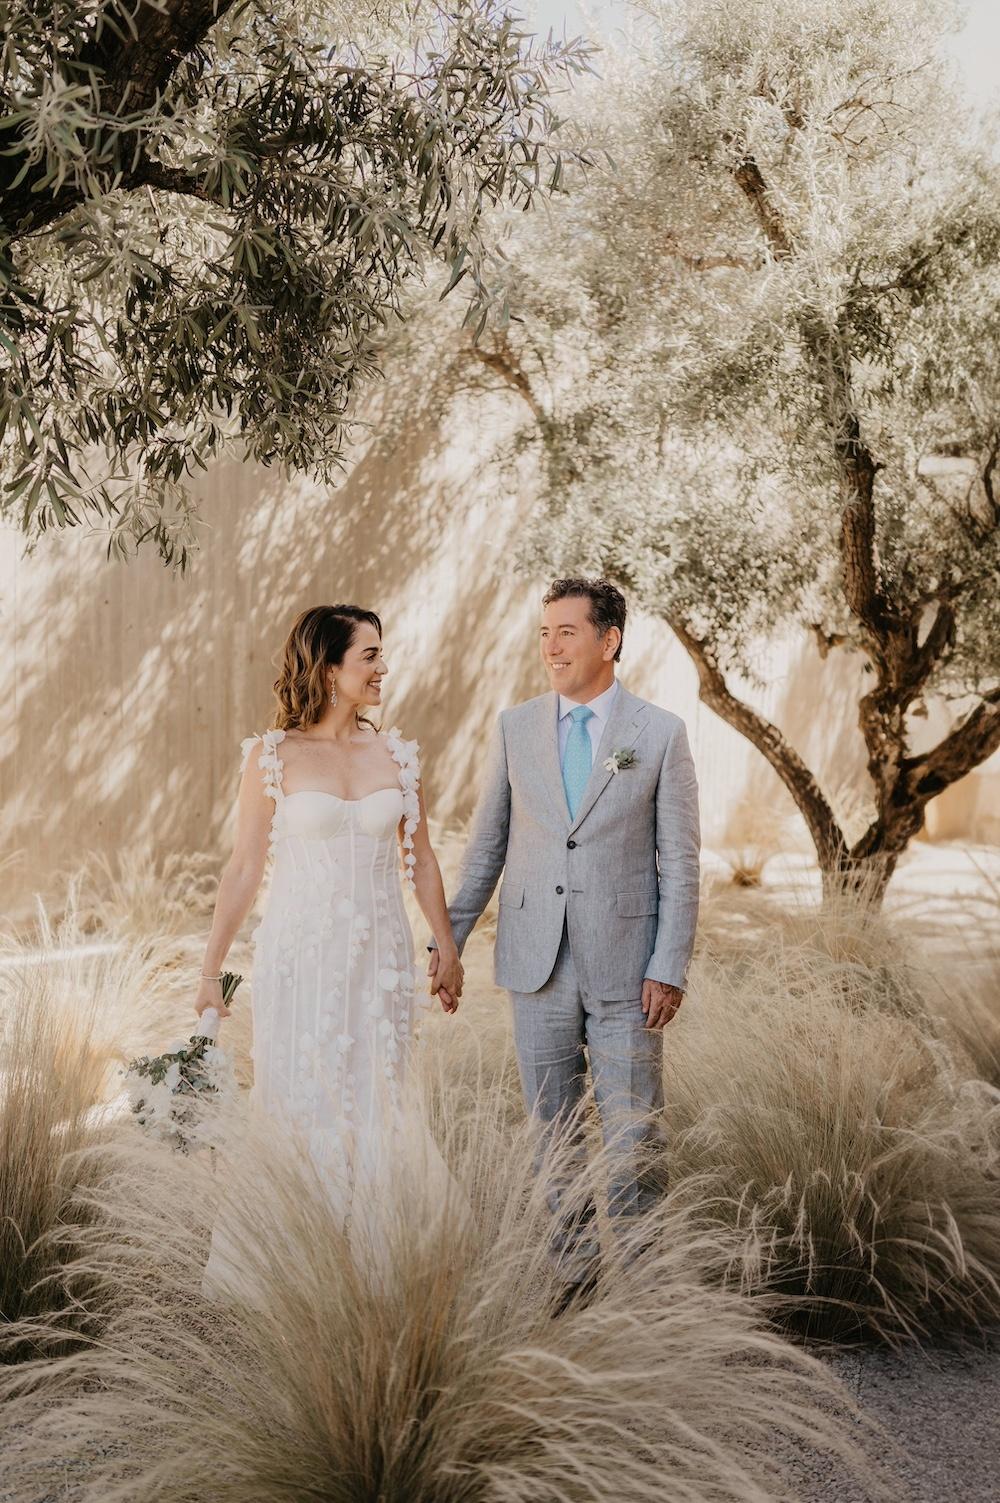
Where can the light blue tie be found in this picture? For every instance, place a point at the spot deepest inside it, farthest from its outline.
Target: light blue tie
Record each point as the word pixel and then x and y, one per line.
pixel 578 757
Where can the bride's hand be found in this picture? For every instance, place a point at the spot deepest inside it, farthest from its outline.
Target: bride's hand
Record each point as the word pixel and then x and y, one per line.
pixel 210 995
pixel 447 975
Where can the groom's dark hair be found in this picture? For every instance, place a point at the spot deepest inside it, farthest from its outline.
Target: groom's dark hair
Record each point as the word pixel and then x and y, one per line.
pixel 607 603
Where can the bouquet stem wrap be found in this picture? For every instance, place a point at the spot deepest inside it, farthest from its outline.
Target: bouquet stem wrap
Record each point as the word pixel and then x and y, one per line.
pixel 169 1091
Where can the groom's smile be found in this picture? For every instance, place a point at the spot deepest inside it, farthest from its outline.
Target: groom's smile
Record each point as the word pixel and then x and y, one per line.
pixel 578 659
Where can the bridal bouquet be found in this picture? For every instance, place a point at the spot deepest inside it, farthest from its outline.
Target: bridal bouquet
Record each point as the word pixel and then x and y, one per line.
pixel 169 1092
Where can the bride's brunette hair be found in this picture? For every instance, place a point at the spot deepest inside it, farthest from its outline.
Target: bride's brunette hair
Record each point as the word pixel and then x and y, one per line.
pixel 318 640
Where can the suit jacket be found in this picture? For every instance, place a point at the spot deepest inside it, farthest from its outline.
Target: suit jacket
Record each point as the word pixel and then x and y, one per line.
pixel 623 873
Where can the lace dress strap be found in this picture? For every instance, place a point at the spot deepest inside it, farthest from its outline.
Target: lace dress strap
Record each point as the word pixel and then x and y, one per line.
pixel 269 761
pixel 272 767
pixel 406 755
pixel 246 747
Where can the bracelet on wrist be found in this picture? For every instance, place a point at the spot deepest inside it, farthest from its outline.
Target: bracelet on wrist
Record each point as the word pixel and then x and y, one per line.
pixel 211 978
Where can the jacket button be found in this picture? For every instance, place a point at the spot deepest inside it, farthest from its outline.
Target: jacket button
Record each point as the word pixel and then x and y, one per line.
pixel 558 889
pixel 571 844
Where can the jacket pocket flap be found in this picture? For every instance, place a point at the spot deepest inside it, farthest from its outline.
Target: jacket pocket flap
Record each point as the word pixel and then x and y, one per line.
pixel 511 895
pixel 636 904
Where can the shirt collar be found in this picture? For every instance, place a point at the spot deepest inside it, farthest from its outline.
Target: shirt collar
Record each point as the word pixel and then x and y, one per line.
pixel 601 706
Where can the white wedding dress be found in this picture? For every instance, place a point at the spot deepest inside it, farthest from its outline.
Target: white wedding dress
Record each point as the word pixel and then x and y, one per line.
pixel 336 1006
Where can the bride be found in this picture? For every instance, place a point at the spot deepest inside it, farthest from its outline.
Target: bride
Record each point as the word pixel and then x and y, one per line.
pixel 337 807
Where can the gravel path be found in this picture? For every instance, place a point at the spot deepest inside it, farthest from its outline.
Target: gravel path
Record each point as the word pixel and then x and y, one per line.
pixel 940 1410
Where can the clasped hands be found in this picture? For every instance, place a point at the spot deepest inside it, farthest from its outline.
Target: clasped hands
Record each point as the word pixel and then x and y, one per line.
pixel 446 974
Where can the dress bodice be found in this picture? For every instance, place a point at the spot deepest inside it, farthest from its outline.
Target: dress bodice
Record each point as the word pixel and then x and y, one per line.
pixel 323 816
pixel 363 827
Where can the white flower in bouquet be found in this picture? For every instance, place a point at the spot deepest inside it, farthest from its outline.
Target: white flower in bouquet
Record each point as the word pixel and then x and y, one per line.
pixel 169 1093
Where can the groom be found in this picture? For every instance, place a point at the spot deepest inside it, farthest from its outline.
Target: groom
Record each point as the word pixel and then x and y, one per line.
pixel 598 906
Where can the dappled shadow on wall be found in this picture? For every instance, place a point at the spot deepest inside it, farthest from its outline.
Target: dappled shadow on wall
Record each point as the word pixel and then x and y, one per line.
pixel 134 686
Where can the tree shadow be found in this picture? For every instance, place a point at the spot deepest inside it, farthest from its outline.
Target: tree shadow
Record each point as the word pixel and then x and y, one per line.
pixel 133 686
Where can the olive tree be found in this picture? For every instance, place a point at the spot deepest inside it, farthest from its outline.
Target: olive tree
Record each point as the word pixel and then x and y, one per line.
pixel 759 357
pixel 208 211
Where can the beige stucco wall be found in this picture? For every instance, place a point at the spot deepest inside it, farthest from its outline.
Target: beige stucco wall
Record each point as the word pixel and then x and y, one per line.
pixel 128 688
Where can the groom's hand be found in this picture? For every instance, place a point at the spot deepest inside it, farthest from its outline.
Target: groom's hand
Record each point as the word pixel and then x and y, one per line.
pixel 659 1002
pixel 448 1002
pixel 445 995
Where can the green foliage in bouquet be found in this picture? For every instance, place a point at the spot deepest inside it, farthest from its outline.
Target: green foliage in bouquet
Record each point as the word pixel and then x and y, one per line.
pixel 167 1091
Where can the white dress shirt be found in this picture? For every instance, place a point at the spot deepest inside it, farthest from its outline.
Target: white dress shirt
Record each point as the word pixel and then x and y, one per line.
pixel 601 707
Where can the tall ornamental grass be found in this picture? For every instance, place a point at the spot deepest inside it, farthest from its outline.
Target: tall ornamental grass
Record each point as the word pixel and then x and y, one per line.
pixel 421 1366
pixel 819 1101
pixel 833 1101
pixel 53 1071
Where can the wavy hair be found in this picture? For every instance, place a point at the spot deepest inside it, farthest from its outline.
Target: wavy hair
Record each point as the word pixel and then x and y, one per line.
pixel 318 640
pixel 607 603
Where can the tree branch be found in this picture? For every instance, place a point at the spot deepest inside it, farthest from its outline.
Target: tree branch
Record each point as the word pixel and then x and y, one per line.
pixel 750 179
pixel 504 363
pixel 856 463
pixel 989 489
pixel 831 847
pixel 964 748
pixel 138 60
pixel 926 657
pixel 129 70
pixel 826 641
pixel 169 180
pixel 890 635
pixel 709 261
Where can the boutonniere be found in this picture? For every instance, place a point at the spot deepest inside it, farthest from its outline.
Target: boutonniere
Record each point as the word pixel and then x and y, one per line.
pixel 619 760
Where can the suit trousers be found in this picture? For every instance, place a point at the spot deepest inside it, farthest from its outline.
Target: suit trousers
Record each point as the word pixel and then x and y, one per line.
pixel 555 1029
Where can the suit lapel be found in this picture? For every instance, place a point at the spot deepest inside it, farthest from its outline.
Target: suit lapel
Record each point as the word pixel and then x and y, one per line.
pixel 548 739
pixel 623 725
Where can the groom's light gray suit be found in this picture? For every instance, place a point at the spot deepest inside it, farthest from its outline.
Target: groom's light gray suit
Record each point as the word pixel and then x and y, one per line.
pixel 590 905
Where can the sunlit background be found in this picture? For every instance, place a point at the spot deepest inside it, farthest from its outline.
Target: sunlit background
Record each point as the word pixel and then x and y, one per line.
pixel 976 47
pixel 831 1082
pixel 129 689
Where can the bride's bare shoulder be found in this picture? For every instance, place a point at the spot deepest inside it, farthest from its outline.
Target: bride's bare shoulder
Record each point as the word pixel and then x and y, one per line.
pixel 379 739
pixel 292 738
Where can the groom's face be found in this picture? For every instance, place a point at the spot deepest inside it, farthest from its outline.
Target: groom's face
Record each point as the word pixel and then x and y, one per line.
pixel 578 662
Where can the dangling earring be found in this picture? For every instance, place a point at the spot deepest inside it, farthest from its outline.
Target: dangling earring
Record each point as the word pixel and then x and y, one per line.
pixel 333 693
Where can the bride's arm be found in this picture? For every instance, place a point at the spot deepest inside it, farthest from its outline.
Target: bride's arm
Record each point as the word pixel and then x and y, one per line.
pixel 429 889
pixel 238 884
